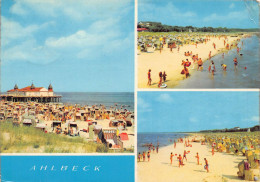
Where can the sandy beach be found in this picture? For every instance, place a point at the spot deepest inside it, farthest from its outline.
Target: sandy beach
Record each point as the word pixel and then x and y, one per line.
pixel 170 62
pixel 222 166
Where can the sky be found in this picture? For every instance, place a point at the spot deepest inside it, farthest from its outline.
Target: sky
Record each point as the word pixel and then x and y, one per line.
pixel 200 13
pixel 194 111
pixel 76 45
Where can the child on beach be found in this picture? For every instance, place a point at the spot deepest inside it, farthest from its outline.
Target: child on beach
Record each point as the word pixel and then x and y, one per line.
pixel 212 150
pixel 143 156
pixel 149 78
pixel 164 76
pixel 206 165
pixel 171 157
pixel 157 149
pixel 209 55
pixel 153 149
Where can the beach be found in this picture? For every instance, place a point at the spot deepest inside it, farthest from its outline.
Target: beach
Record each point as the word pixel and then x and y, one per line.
pixel 108 127
pixel 222 166
pixel 170 62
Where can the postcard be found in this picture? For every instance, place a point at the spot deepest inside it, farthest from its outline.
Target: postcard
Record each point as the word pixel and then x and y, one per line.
pixel 67 90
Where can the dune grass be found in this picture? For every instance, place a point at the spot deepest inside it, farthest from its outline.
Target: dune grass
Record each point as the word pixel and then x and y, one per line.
pixel 24 139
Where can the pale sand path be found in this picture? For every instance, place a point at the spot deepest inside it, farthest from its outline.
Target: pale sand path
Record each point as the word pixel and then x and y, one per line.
pixel 222 166
pixel 171 62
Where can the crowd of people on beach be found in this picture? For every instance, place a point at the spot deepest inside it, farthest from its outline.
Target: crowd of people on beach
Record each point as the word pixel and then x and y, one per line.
pixel 195 60
pixel 238 144
pixel 180 158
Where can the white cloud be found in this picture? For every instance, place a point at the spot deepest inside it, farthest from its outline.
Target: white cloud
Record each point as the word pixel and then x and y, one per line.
pixel 165 98
pixel 76 10
pixel 143 106
pixel 235 15
pixel 151 12
pixel 12 30
pixel 193 119
pixel 232 5
pixel 254 119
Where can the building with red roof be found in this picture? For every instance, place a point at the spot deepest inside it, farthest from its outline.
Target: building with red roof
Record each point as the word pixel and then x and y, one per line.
pixel 31 93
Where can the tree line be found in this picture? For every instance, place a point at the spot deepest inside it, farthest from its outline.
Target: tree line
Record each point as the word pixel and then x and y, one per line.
pixel 158 27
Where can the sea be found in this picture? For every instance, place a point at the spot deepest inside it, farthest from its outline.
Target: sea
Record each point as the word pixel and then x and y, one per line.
pixel 125 99
pixel 164 139
pixel 247 74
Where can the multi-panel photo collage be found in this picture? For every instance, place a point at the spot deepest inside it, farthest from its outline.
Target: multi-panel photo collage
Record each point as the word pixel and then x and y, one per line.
pixel 131 90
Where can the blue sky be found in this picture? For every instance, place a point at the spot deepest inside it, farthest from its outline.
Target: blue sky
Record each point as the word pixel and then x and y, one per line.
pixel 200 13
pixel 77 45
pixel 195 111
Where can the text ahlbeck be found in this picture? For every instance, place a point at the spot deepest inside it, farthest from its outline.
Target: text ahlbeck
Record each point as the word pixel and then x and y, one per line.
pixel 64 168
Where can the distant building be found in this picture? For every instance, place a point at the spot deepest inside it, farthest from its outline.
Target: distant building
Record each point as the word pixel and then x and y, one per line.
pixel 142 29
pixel 31 93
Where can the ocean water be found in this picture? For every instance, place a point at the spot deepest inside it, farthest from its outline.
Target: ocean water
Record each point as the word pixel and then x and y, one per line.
pixel 164 139
pixel 125 99
pixel 240 78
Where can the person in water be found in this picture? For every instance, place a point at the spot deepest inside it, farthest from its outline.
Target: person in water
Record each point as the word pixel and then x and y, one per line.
pixel 224 67
pixel 235 63
pixel 212 68
pixel 200 64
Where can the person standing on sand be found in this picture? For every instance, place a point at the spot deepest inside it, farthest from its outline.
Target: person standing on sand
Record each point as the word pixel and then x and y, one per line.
pixel 157 149
pixel 164 76
pixel 180 160
pixel 139 157
pixel 171 157
pixel 184 155
pixel 149 77
pixel 160 79
pixel 198 158
pixel 206 165
pixel 212 150
pixel 148 156
pixel 153 149
pixel 143 156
